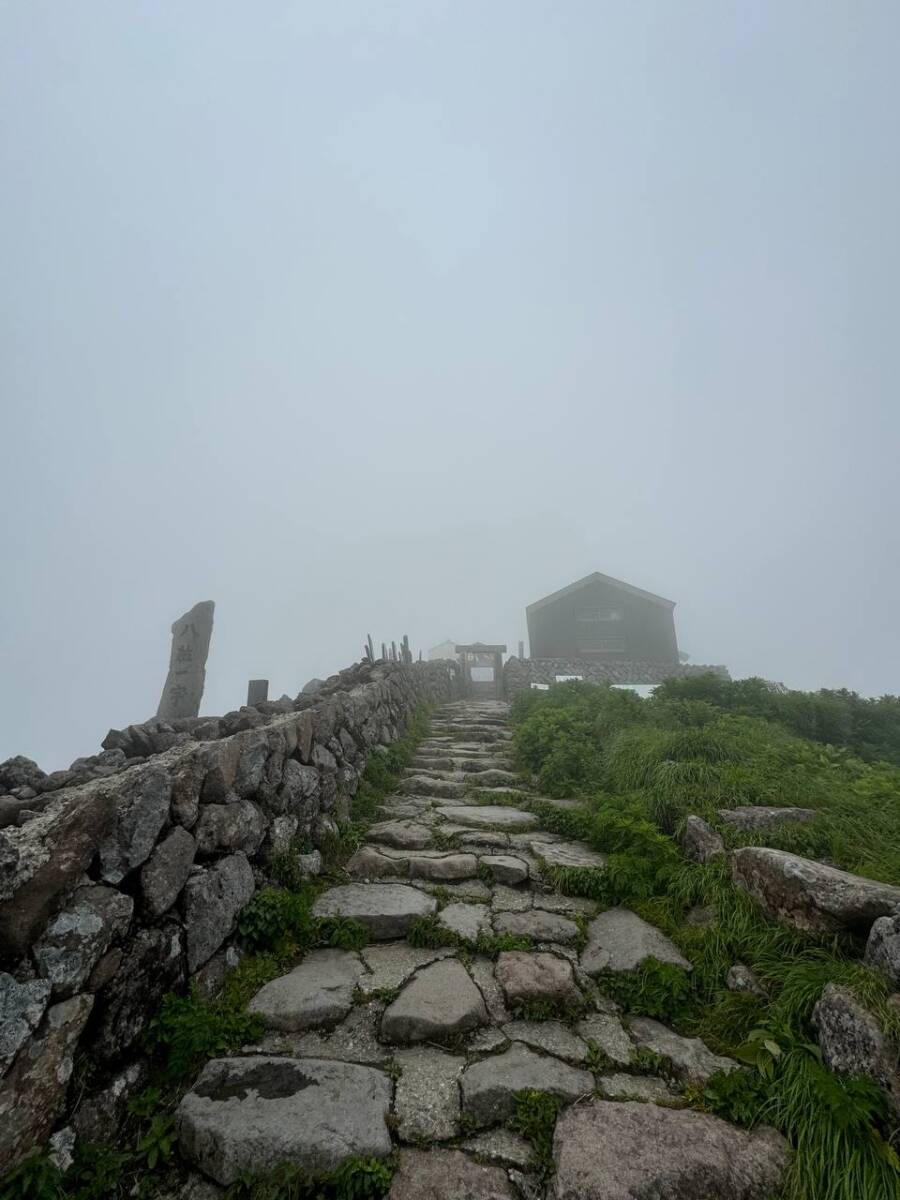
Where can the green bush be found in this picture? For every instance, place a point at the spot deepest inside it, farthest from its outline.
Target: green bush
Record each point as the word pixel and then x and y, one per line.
pixel 354 1179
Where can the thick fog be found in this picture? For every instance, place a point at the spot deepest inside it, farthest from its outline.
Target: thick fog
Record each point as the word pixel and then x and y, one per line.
pixel 395 317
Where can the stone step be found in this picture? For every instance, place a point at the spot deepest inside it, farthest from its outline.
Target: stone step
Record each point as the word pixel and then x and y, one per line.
pixel 386 910
pixel 488 816
pixel 620 940
pixel 374 862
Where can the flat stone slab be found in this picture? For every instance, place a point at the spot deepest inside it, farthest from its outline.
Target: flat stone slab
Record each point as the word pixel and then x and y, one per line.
pixel 355 1039
pixel 620 940
pixel 404 835
pixel 760 816
pixel 424 785
pixel 630 1151
pixel 317 992
pixel 692 1060
pixel 447 1175
pixel 505 869
pixel 440 1001
pixel 385 909
pixel 466 920
pixel 426 1100
pixel 482 971
pixel 488 816
pixel 540 926
pixel 507 899
pixel 550 1036
pixel 526 977
pixel 568 854
pixel 379 862
pixel 647 1088
pixel 484 839
pixel 390 965
pixel 489 1087
pixel 569 905
pixel 610 1037
pixel 250 1114
pixel 472 891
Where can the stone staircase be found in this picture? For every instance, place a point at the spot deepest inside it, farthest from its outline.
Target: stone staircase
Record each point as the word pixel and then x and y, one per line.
pixel 421 1051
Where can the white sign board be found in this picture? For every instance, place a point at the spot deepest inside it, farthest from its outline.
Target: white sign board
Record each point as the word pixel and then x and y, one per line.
pixel 568 678
pixel 541 687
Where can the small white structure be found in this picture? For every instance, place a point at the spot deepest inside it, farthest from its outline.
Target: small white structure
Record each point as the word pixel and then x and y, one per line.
pixel 446 649
pixel 644 690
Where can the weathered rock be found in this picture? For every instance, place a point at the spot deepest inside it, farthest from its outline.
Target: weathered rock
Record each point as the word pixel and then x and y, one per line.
pixel 500 1146
pixel 77 937
pixel 853 1042
pixel 152 966
pixel 442 867
pixel 355 1039
pixel 632 1151
pixel 550 1036
pixel 608 1034
pixel 317 992
pixel 691 1060
pixel 223 828
pixel 487 816
pixel 504 868
pixel 424 785
pixel 299 787
pixel 700 841
pixel 33 1090
pixel 427 1094
pixel 385 909
pixel 22 1006
pixel 883 947
pixel 489 1087
pixel 99 1117
pixel 508 899
pixel 183 688
pixel 808 895
pixel 568 854
pixel 392 964
pixel 440 1001
pixel 619 1086
pixel 537 977
pixel 741 979
pixel 142 809
pixel 251 1114
pixel 166 871
pixel 467 921
pixel 405 835
pixel 759 816
pixel 18 772
pixel 620 940
pixel 540 926
pixel 447 1175
pixel 212 901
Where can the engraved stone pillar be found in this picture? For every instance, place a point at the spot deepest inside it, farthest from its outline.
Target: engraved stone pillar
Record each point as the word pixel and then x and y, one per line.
pixel 257 691
pixel 187 663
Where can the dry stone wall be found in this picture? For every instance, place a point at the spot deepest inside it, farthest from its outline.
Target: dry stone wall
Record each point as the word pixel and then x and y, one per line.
pixel 521 673
pixel 122 879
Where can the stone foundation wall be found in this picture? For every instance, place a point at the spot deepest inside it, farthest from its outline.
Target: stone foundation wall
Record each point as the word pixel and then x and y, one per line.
pixel 521 673
pixel 122 879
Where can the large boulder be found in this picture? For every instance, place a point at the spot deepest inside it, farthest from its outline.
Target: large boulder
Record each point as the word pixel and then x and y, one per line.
pixel 387 910
pixel 760 816
pixel 22 1006
pixel 690 1060
pixel 33 1091
pixel 152 966
pixel 853 1042
pixel 439 1002
pixel 620 940
pixel 224 828
pixel 251 1114
pixel 76 938
pixel 606 1150
pixel 166 871
pixel 539 978
pixel 489 1087
pixel 212 901
pixel 142 809
pixel 700 842
pixel 318 991
pixel 808 895
pixel 18 772
pixel 883 947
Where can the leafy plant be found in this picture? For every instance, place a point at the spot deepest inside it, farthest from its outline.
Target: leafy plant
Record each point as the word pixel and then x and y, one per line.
pixel 354 1179
pixel 37 1178
pixel 188 1030
pixel 535 1120
pixel 158 1142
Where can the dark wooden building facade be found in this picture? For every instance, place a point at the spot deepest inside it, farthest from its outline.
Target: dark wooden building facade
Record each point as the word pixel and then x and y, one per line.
pixel 603 619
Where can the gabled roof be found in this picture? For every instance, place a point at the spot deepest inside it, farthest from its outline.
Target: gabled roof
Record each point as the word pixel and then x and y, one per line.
pixel 597 577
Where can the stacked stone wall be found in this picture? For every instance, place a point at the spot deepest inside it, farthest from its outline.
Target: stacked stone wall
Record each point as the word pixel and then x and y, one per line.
pixel 122 879
pixel 521 673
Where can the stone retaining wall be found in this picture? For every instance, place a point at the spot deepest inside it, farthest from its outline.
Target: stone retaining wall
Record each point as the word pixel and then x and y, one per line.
pixel 521 673
pixel 122 879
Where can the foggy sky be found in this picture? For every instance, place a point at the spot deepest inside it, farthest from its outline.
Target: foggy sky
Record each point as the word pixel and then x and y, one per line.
pixel 394 317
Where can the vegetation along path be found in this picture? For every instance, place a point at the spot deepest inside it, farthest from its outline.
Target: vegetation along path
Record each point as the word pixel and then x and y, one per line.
pixel 489 1019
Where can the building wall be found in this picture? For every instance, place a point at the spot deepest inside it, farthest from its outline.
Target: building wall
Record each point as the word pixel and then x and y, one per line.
pixel 521 674
pixel 633 628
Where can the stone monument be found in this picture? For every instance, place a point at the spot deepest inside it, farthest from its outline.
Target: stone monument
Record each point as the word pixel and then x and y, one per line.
pixel 183 691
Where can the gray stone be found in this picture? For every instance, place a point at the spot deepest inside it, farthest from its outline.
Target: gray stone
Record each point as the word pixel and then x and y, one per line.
pixel 489 1087
pixel 152 965
pixel 700 841
pixel 648 1088
pixel 405 835
pixel 620 940
pixel 632 1151
pixel 539 925
pixel 427 1094
pixel 33 1090
pixel 299 787
pixel 224 828
pixel 481 839
pixel 99 1116
pixel 507 899
pixel 142 809
pixel 482 971
pixel 184 684
pixel 853 1042
pixel 392 964
pixel 251 1114
pixel 440 1001
pixel 568 905
pixel 77 937
pixel 701 916
pixel 500 1146
pixel 19 772
pixel 742 979
pixel 447 1175
pixel 22 1006
pixel 212 902
pixel 385 909
pixel 467 921
pixel 317 992
pixel 441 867
pixel 568 854
pixel 808 895
pixel 608 1034
pixel 691 1060
pixel 355 1039
pixel 550 1036
pixel 758 816
pixel 469 891
pixel 504 868
pixel 883 947
pixel 487 816
pixel 526 977
pixel 166 871
pixel 486 1041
